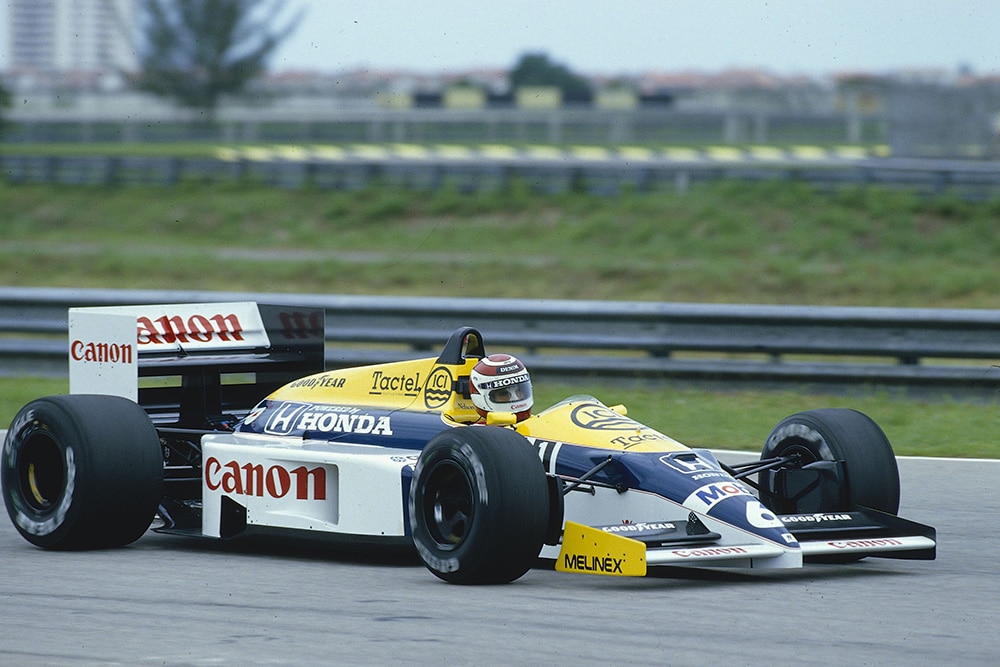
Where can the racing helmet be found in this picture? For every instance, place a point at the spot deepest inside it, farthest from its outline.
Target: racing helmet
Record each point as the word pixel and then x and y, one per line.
pixel 500 383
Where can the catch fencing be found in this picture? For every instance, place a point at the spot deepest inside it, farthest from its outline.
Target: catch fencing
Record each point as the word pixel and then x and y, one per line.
pixel 940 352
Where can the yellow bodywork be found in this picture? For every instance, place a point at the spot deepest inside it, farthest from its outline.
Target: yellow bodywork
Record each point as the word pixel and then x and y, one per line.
pixel 428 386
pixel 421 384
pixel 583 420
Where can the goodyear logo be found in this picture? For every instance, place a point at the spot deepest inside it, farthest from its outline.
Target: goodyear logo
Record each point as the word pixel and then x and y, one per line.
pixel 640 528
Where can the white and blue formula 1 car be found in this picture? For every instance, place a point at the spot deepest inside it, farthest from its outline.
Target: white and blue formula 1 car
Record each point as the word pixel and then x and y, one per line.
pixel 218 420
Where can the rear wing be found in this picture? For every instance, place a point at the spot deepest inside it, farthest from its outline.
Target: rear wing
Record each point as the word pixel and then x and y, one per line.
pixel 193 362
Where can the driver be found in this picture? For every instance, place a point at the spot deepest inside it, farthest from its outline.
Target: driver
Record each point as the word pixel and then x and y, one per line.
pixel 500 383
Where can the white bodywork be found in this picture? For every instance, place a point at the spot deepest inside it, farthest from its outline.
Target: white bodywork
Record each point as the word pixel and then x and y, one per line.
pixel 315 486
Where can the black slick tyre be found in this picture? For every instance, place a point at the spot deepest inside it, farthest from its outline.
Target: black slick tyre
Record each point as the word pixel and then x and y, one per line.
pixel 81 472
pixel 856 450
pixel 479 505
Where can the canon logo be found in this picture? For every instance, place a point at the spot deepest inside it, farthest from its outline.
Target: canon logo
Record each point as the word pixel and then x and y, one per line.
pixel 296 324
pixel 170 329
pixel 710 551
pixel 112 353
pixel 276 481
pixel 867 544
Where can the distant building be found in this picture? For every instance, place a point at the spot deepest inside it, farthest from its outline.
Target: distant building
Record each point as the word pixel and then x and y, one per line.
pixel 53 37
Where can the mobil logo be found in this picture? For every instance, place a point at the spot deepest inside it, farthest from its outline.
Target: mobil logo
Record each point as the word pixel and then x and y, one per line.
pixel 706 497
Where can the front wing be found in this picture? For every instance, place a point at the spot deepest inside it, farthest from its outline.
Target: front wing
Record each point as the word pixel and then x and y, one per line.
pixel 866 532
pixel 833 536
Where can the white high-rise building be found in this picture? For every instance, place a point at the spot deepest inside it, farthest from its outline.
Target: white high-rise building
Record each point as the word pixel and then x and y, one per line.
pixel 95 36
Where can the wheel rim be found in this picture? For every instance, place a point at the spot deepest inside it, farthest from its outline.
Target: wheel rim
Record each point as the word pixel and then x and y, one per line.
pixel 804 453
pixel 448 505
pixel 41 472
pixel 793 502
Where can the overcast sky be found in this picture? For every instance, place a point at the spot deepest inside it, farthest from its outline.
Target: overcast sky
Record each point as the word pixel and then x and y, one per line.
pixel 631 36
pixel 608 37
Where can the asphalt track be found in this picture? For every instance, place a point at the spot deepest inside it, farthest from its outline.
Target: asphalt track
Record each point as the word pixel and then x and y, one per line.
pixel 179 601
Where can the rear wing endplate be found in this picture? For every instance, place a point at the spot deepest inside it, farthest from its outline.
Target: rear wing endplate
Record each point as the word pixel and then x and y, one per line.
pixel 112 347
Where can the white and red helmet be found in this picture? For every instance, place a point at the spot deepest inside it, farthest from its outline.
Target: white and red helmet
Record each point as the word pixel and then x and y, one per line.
pixel 500 383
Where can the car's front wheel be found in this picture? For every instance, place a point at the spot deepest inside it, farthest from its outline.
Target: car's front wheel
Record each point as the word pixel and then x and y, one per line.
pixel 81 471
pixel 479 505
pixel 841 460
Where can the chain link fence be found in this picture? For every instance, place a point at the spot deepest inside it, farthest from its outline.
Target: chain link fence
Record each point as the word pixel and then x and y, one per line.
pixel 905 119
pixel 936 120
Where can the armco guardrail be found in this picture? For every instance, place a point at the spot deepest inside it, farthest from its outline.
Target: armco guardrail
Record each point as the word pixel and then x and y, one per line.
pixel 947 352
pixel 603 171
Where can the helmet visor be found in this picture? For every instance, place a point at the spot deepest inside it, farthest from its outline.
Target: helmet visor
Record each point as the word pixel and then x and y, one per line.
pixel 503 390
pixel 514 393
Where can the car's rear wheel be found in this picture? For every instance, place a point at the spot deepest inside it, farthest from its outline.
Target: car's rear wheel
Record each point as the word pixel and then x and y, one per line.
pixel 843 460
pixel 81 471
pixel 479 505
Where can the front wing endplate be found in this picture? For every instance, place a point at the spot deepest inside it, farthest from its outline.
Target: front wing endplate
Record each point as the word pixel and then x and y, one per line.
pixel 590 550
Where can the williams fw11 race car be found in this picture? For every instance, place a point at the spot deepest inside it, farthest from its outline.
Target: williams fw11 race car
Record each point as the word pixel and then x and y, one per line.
pixel 218 420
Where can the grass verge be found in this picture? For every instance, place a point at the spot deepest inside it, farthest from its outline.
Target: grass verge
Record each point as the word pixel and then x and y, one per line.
pixel 721 242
